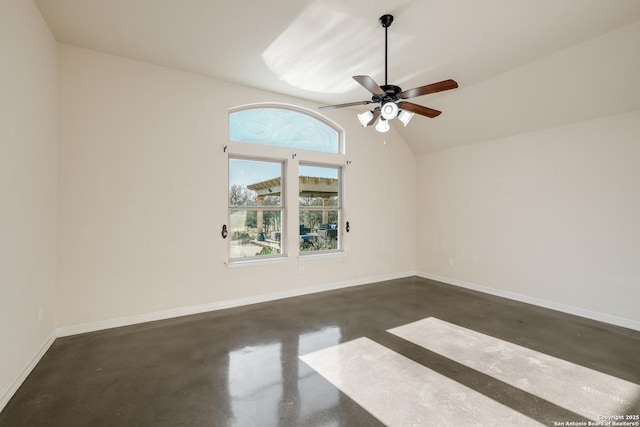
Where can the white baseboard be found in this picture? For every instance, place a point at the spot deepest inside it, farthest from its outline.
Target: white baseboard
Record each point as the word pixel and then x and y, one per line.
pixel 220 305
pixel 593 315
pixel 10 390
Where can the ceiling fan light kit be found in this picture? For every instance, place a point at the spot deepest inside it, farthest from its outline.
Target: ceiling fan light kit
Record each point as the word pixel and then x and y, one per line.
pixel 382 125
pixel 389 110
pixel 365 118
pixel 389 97
pixel 405 117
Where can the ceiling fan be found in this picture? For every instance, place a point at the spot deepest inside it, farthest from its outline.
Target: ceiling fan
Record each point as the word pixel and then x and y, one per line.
pixel 390 98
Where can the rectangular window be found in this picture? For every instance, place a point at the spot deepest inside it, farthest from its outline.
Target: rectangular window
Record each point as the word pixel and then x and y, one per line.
pixel 256 207
pixel 320 205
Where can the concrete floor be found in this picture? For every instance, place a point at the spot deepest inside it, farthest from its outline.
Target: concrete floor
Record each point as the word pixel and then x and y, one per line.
pixel 241 367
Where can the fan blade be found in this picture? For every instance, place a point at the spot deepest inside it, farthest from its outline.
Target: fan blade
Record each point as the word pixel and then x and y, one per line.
pixel 419 109
pixel 376 114
pixel 432 88
pixel 349 104
pixel 369 84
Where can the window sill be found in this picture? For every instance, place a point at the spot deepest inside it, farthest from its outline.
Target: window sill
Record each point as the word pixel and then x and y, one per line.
pixel 325 255
pixel 240 263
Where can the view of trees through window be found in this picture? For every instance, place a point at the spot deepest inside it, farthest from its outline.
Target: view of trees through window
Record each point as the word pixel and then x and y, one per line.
pixel 319 205
pixel 242 196
pixel 255 207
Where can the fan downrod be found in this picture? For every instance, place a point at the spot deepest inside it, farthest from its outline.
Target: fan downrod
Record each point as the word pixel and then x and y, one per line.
pixel 386 21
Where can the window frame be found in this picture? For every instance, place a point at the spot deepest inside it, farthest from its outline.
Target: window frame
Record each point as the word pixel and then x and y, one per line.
pixel 281 208
pixel 291 159
pixel 339 208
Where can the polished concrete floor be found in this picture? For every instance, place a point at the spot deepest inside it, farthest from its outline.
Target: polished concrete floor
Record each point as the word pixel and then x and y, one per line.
pixel 354 357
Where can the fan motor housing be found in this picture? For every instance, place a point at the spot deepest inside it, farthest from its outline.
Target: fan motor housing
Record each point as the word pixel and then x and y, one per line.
pixel 391 94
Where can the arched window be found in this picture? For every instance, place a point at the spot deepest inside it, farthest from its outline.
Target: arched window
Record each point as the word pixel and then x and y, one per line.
pixel 284 126
pixel 267 196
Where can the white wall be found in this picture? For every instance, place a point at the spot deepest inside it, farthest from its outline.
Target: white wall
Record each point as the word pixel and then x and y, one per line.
pixel 143 193
pixel 28 190
pixel 552 215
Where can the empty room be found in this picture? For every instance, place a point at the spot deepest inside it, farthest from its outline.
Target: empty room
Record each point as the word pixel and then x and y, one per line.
pixel 319 213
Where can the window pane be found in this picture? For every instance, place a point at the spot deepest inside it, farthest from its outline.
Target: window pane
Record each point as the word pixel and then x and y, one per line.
pixel 255 183
pixel 319 230
pixel 283 128
pixel 319 186
pixel 248 239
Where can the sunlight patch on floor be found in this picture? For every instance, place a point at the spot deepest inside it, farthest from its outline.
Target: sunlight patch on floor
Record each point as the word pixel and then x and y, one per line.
pixel 401 392
pixel 576 388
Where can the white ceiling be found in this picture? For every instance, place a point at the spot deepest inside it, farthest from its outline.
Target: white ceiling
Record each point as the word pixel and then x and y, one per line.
pixel 503 53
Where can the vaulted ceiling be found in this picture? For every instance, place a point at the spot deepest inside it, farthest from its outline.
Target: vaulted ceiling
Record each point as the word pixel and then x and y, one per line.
pixel 522 65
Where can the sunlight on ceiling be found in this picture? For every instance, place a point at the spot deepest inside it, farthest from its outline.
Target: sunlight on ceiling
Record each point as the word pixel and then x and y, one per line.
pixel 341 39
